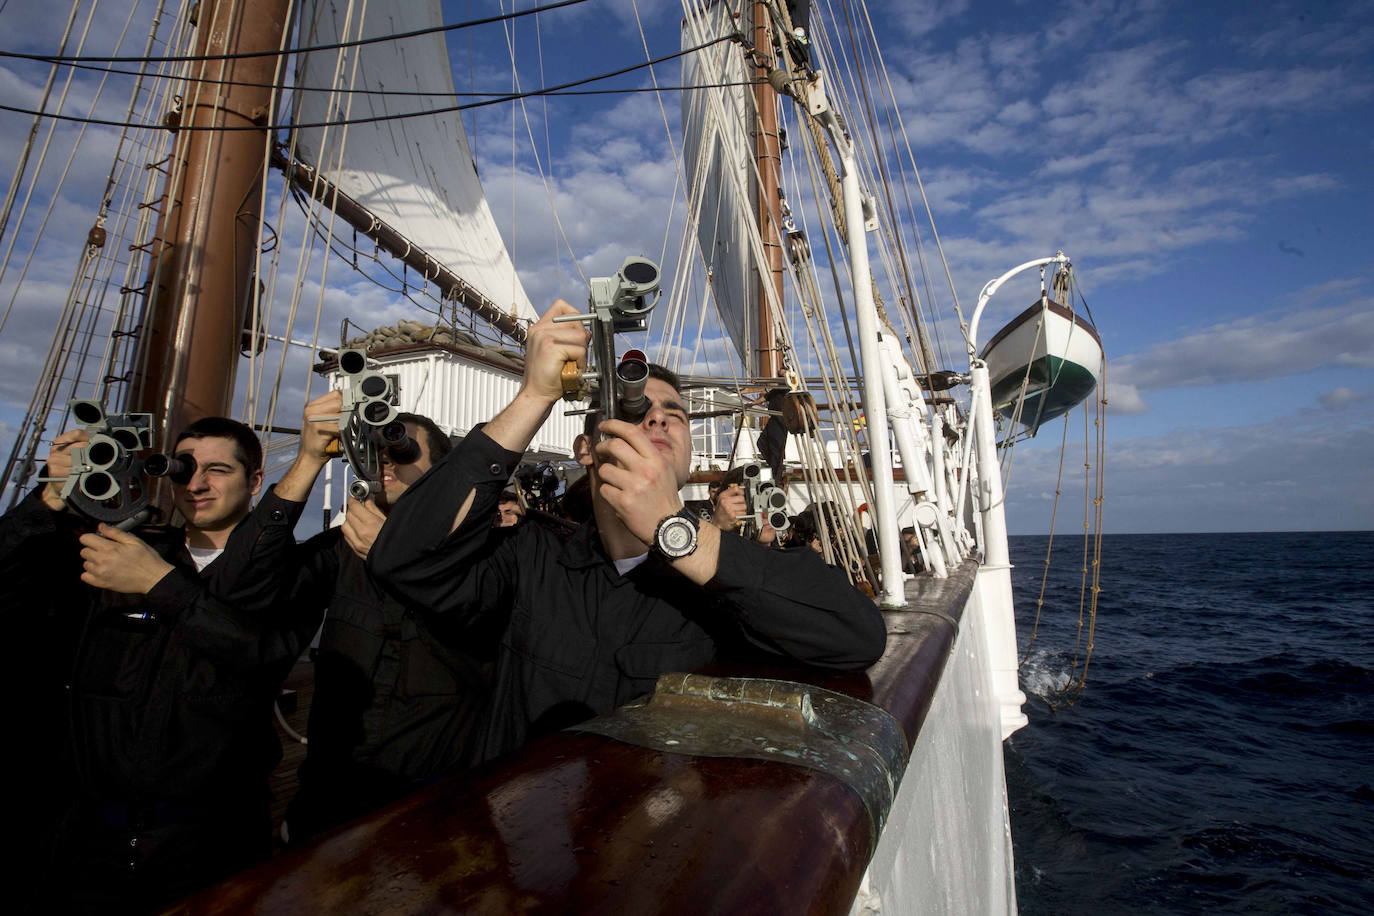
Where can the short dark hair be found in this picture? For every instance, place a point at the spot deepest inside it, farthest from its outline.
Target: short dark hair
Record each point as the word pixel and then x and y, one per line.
pixel 508 496
pixel 807 524
pixel 660 372
pixel 664 374
pixel 730 478
pixel 803 528
pixel 247 448
pixel 439 443
pixel 577 499
pixel 733 476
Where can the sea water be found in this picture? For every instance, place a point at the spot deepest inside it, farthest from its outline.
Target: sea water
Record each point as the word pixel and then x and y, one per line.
pixel 1220 758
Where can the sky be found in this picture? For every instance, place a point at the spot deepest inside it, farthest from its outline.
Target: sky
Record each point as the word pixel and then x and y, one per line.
pixel 1206 166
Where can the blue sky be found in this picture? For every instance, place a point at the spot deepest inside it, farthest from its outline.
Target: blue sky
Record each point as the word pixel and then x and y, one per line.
pixel 1206 166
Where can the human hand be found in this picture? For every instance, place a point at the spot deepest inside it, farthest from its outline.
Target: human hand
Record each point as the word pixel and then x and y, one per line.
pixel 361 526
pixel 60 466
pixel 120 562
pixel 636 480
pixel 730 506
pixel 548 348
pixel 317 435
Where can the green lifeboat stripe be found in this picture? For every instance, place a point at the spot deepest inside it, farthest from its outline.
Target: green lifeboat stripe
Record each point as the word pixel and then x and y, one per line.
pixel 1072 383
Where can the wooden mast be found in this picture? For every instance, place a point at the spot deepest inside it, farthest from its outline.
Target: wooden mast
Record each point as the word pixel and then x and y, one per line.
pixel 206 246
pixel 768 155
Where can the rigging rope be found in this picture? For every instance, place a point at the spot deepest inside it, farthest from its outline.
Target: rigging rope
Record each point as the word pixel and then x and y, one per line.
pixel 1094 448
pixel 96 259
pixel 261 318
pixel 1049 546
pixel 33 131
pixel 538 163
pixel 33 181
pixel 668 132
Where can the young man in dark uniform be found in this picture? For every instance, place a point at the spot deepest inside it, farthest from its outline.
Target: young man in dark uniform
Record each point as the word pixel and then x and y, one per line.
pixel 589 622
pixel 393 707
pixel 154 657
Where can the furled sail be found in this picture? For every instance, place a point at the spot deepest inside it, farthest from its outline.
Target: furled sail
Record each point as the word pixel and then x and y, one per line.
pixel 415 174
pixel 718 156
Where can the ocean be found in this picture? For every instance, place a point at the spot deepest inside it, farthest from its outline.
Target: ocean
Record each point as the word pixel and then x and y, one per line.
pixel 1220 758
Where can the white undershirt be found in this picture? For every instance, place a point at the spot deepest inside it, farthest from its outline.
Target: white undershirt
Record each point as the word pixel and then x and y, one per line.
pixel 204 556
pixel 629 563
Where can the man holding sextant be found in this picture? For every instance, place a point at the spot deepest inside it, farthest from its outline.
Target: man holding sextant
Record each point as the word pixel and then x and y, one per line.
pixel 588 622
pixel 150 659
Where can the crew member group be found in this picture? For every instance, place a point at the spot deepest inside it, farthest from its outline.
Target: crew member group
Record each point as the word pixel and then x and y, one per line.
pixel 458 628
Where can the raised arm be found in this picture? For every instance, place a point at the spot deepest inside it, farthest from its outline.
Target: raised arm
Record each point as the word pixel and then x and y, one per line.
pixel 313 452
pixel 548 347
pixel 462 571
pixel 786 602
pixel 437 550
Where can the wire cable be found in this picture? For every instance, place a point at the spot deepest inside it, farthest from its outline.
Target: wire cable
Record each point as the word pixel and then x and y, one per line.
pixel 48 58
pixel 383 93
pixel 509 97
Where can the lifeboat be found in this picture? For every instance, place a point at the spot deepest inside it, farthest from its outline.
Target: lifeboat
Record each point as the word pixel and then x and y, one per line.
pixel 1049 351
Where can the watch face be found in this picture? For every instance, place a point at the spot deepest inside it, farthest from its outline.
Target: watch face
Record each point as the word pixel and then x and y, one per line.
pixel 677 537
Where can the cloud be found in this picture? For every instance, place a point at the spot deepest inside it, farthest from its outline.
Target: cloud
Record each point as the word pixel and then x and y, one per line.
pixel 920 17
pixel 1338 398
pixel 1298 37
pixel 1104 129
pixel 1255 347
pixel 1123 397
pixel 1248 477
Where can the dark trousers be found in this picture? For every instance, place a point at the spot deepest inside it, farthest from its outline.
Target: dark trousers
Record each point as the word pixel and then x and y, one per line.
pixel 138 859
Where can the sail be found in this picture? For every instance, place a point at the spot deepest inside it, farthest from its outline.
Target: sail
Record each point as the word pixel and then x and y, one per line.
pixel 718 152
pixel 416 174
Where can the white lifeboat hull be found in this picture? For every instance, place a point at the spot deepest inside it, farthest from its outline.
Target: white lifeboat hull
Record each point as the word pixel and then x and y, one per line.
pixel 1054 352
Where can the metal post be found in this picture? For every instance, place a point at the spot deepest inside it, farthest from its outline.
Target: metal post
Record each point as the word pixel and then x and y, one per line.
pixel 875 406
pixel 993 584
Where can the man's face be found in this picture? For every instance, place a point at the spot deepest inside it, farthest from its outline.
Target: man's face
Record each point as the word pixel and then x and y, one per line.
pixel 511 513
pixel 668 427
pixel 396 478
pixel 221 492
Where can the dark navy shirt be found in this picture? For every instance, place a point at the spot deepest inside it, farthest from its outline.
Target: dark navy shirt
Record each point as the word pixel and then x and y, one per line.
pixel 576 638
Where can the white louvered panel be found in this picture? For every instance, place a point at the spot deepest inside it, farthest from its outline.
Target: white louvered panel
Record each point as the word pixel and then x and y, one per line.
pixel 458 393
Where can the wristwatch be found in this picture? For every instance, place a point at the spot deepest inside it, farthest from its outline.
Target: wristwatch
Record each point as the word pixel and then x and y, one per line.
pixel 676 535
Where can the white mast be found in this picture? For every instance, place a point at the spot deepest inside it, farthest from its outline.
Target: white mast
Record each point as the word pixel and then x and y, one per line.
pixel 866 311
